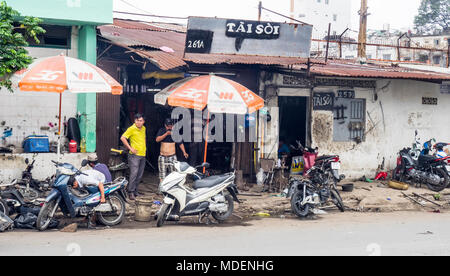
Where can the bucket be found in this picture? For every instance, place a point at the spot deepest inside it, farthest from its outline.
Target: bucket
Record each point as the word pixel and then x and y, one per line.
pixel 143 209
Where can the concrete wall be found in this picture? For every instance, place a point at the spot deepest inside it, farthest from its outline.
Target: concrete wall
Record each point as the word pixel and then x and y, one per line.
pixel 12 165
pixel 27 112
pixel 394 117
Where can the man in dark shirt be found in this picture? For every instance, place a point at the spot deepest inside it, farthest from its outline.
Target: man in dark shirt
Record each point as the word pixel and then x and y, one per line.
pixel 167 150
pixel 94 164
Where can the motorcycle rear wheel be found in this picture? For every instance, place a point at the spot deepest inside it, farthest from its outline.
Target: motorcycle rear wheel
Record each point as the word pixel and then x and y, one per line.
pixel 221 217
pixel 4 207
pixel 297 208
pixel 44 218
pixel 443 185
pixel 112 220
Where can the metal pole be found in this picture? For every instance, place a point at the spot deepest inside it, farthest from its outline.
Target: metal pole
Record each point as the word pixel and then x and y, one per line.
pixel 328 41
pixel 340 42
pixel 259 10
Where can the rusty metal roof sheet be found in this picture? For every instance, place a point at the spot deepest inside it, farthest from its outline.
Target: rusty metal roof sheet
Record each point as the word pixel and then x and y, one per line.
pixel 342 69
pixel 136 37
pixel 165 61
pixel 136 25
pixel 243 59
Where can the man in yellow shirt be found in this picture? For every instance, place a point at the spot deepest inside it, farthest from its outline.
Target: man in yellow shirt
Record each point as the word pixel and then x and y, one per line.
pixel 136 157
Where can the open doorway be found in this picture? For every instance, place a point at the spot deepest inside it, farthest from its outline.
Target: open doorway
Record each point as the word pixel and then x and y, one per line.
pixel 293 119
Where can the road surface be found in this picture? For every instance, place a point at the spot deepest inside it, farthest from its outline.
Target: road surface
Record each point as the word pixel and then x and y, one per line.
pixel 402 233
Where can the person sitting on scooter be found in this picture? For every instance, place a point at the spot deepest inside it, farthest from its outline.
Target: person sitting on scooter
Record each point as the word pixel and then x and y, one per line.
pixel 94 164
pixel 91 178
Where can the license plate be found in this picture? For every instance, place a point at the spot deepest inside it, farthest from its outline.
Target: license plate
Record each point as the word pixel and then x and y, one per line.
pixel 335 166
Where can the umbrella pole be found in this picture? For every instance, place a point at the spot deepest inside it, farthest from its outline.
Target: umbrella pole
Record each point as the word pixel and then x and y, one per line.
pixel 206 142
pixel 59 129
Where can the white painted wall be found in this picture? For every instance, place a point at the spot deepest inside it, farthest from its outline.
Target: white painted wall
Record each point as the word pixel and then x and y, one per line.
pixel 401 103
pixel 12 165
pixel 27 112
pixel 404 113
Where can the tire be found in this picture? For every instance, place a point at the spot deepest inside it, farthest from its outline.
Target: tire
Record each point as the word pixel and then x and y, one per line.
pixel 397 173
pixel 44 218
pixel 162 215
pixel 300 211
pixel 443 185
pixel 221 217
pixel 4 207
pixel 337 200
pixel 109 219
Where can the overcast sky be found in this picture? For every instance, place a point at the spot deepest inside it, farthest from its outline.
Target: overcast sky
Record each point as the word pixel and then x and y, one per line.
pixel 398 13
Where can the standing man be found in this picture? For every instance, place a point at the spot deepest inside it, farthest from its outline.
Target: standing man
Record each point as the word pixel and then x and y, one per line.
pixel 136 157
pixel 168 150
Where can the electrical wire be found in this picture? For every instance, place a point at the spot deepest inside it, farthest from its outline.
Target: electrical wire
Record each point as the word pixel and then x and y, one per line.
pixel 146 12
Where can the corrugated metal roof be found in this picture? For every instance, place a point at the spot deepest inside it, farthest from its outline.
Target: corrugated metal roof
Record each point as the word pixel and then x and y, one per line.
pixel 340 69
pixel 163 60
pixel 243 59
pixel 136 37
pixel 129 24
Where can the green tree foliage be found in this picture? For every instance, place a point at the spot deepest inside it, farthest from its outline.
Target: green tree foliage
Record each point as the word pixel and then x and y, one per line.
pixel 14 32
pixel 434 15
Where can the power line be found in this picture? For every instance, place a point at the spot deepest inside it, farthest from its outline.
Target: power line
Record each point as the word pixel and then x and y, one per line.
pixel 146 12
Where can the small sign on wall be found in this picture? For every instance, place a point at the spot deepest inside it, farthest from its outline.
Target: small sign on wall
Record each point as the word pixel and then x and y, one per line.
pixel 445 87
pixel 198 41
pixel 323 101
pixel 346 94
pixel 429 101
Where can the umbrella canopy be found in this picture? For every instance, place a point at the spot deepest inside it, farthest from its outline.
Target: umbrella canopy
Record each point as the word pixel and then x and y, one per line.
pixel 220 95
pixel 60 73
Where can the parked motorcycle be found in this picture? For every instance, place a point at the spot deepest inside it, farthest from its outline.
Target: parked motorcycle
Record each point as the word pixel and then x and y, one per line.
pixel 13 197
pixel 428 170
pixel 319 184
pixel 82 204
pixel 212 195
pixel 30 182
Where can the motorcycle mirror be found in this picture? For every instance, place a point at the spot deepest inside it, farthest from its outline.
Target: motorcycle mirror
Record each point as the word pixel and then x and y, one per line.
pixel 84 163
pixel 27 161
pixel 206 165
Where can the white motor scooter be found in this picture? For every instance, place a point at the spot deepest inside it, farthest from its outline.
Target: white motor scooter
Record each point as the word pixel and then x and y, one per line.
pixel 213 195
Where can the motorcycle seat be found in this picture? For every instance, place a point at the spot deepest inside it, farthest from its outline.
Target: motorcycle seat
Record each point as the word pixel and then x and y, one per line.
pixel 325 157
pixel 423 159
pixel 210 181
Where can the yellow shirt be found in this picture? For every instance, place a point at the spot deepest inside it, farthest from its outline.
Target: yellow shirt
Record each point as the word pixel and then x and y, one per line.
pixel 137 139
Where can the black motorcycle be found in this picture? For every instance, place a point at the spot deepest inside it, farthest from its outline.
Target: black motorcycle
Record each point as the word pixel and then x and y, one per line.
pixel 317 188
pixel 34 188
pixel 428 169
pixel 12 199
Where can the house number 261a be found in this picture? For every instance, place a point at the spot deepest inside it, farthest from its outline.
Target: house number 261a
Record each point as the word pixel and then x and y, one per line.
pixel 196 44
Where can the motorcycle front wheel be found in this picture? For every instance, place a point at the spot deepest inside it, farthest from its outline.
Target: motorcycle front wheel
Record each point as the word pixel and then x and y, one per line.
pixel 4 207
pixel 298 209
pixel 45 215
pixel 221 217
pixel 443 175
pixel 337 200
pixel 116 216
pixel 162 215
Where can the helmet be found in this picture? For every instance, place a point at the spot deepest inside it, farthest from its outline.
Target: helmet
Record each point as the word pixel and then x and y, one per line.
pixel 92 157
